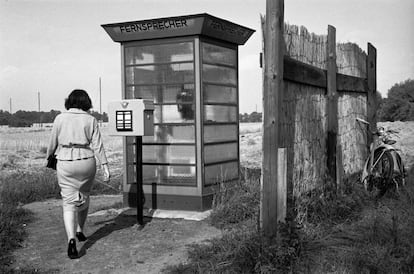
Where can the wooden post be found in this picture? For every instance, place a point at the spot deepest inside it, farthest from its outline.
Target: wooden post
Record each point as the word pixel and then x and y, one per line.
pixel 281 185
pixel 273 85
pixel 372 88
pixel 332 105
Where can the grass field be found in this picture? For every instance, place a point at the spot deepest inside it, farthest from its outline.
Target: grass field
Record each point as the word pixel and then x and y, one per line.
pixel 349 233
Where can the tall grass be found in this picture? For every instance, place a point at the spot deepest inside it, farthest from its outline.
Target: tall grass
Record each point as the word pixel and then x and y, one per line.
pixel 346 232
pixel 381 240
pixel 24 139
pixel 17 188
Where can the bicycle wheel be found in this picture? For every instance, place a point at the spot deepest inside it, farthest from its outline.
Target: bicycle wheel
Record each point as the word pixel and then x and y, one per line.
pixel 381 177
pixel 398 175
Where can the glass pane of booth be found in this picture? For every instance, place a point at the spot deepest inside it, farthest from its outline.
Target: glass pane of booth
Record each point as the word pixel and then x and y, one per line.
pixel 174 113
pixel 220 152
pixel 221 173
pixel 218 74
pixel 219 94
pixel 214 113
pixel 157 74
pixel 141 92
pixel 171 134
pixel 162 93
pixel 169 154
pixel 220 133
pixel 217 54
pixel 174 175
pixel 162 53
pixel 166 175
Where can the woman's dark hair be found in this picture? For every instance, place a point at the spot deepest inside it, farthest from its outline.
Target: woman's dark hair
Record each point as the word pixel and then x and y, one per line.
pixel 78 98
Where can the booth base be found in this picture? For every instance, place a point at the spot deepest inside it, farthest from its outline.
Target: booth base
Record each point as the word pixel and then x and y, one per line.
pixel 170 202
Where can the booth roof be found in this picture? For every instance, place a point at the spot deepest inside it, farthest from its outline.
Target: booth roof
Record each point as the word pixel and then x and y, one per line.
pixel 197 24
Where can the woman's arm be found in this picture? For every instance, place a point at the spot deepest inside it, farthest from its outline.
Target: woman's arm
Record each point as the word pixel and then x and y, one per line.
pixel 107 174
pixel 97 145
pixel 98 148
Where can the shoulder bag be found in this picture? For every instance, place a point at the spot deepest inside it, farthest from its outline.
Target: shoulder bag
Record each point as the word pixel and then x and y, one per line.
pixel 51 161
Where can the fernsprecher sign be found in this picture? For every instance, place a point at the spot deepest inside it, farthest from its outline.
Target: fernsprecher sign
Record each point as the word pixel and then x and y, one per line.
pixel 156 25
pixel 199 24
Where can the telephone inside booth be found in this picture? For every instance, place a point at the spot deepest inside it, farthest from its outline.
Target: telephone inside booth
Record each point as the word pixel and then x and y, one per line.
pixel 184 103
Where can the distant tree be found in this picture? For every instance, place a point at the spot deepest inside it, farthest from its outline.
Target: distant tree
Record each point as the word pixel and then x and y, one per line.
pixel 243 117
pixel 27 118
pixel 253 117
pixel 399 105
pixel 5 117
pixel 105 117
pixel 100 117
pixel 49 117
pixel 18 122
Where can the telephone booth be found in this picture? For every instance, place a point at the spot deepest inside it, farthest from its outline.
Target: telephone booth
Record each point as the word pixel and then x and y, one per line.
pixel 188 67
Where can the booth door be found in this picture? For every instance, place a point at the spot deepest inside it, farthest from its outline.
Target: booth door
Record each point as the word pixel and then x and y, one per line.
pixel 164 72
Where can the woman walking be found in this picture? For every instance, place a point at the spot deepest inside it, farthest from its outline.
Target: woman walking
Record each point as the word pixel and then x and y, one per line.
pixel 76 141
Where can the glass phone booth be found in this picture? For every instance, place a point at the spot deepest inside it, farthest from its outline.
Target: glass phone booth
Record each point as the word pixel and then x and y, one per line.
pixel 188 66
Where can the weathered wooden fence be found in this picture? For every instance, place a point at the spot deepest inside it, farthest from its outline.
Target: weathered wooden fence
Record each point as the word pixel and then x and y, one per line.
pixel 306 111
pixel 326 86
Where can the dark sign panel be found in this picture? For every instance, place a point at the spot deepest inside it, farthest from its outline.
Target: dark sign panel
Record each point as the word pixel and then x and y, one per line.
pixel 200 24
pixel 124 120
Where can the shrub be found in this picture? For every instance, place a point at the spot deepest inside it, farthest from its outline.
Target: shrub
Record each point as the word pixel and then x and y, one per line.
pixel 28 186
pixel 236 202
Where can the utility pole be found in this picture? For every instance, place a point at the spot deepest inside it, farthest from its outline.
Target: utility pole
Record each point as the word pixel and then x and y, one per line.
pixel 100 96
pixel 11 106
pixel 38 108
pixel 100 100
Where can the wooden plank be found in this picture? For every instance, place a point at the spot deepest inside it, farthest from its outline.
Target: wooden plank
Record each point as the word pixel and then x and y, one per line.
pixel 347 83
pixel 282 184
pixel 332 104
pixel 372 88
pixel 273 86
pixel 302 73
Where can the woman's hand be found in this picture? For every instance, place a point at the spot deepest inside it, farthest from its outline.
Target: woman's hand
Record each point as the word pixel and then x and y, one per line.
pixel 107 174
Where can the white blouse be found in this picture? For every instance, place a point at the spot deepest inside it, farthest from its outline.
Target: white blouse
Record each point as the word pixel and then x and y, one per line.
pixel 75 135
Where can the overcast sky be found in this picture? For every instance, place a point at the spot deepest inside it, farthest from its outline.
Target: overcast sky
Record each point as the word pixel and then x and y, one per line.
pixel 53 47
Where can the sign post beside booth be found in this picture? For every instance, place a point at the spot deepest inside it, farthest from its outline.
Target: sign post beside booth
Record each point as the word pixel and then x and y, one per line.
pixel 133 118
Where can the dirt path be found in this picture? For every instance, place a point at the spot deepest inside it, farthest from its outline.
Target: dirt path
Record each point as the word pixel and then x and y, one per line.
pixel 115 244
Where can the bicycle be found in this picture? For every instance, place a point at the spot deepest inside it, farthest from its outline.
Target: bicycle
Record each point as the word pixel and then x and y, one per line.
pixel 383 168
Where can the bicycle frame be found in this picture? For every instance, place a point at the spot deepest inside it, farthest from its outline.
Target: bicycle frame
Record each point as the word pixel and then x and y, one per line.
pixel 378 146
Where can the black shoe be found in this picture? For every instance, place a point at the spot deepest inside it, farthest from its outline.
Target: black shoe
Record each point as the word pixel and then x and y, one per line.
pixel 81 237
pixel 72 251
